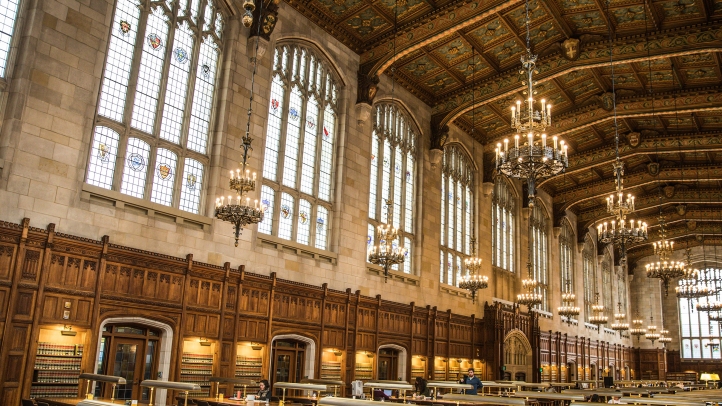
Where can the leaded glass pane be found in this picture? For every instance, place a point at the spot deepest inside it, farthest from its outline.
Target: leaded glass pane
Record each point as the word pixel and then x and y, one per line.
pixel 102 158
pixel 374 175
pixel 386 181
pixel 309 147
pixel 199 128
pixel 441 267
pixel 443 210
pixel 285 223
pixel 118 63
pixel 327 137
pixel 293 131
pixel 409 186
pixel 407 261
pixel 8 15
pixel 370 238
pixel 449 269
pixel 137 155
pixel 398 161
pixel 191 185
pixel 304 222
pixel 458 271
pixel 177 84
pixel 150 74
pixel 267 200
pixel 165 167
pixel 321 227
pixel 273 133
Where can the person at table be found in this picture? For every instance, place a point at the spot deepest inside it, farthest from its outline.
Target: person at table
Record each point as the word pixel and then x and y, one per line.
pixel 420 387
pixel 470 379
pixel 264 391
pixel 595 399
pixel 616 400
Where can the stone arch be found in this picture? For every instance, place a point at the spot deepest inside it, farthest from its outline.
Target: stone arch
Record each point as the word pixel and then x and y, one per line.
pixel 166 346
pixel 310 353
pixel 318 48
pixel 403 357
pixel 517 354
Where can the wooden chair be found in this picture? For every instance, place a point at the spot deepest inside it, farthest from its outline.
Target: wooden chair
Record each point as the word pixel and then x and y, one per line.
pixel 27 402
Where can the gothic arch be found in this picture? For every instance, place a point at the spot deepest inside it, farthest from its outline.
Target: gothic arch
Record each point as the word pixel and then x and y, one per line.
pixel 517 354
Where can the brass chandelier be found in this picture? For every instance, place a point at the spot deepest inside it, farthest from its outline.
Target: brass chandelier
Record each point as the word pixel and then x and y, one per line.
pixel 637 329
pixel 537 159
pixel 387 252
pixel 652 333
pixel 620 320
pixel 473 281
pixel 598 318
pixel 568 308
pixel 664 269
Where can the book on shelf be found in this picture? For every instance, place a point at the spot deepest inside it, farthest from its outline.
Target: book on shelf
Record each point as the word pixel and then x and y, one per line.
pixel 56 370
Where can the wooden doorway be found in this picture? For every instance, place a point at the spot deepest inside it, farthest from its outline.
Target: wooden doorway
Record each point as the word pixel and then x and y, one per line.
pixel 388 364
pixel 131 352
pixel 287 361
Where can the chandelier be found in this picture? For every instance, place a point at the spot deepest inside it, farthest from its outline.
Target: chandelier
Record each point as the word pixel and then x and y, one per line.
pixel 619 320
pixel 248 6
pixel 536 160
pixel 709 306
pixel 473 280
pixel 598 318
pixel 664 337
pixel 387 252
pixel 690 288
pixel 652 334
pixel 530 298
pixel 239 211
pixel 664 269
pixel 567 309
pixel 637 329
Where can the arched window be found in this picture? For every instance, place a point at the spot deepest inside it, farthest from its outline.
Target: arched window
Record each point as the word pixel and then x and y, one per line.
pixel 697 332
pixel 502 225
pixel 621 290
pixel 300 140
pixel 9 12
pixel 393 176
pixel 566 258
pixel 540 255
pixel 156 97
pixel 590 281
pixel 457 175
pixel 607 296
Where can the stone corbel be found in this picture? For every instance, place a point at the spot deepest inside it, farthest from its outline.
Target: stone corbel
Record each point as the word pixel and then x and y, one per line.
pixel 367 89
pixel 557 231
pixel 438 140
pixel 363 113
pixel 260 42
pixel 487 188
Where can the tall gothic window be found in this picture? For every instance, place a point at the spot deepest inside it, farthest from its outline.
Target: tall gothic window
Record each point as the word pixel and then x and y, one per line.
pixel 540 252
pixel 154 114
pixel 566 257
pixel 502 225
pixel 621 291
pixel 697 332
pixel 457 175
pixel 300 140
pixel 9 13
pixel 607 297
pixel 393 176
pixel 590 281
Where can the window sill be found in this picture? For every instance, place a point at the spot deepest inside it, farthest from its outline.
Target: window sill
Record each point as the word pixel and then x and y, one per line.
pixel 591 326
pixel 453 290
pixel 569 321
pixel 403 277
pixel 293 247
pixel 545 314
pixel 151 209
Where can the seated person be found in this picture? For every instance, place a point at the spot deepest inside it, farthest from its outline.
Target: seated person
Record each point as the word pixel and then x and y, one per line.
pixel 380 395
pixel 470 379
pixel 595 398
pixel 264 391
pixel 420 387
pixel 616 400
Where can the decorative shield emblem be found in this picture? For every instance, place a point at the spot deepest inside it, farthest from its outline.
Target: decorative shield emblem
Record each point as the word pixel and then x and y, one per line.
pixel 285 211
pixel 607 100
pixel 325 132
pixel 274 105
pixel 691 225
pixel 265 203
pixel 103 153
pixel 634 139
pixel 408 176
pixel 368 240
pixel 206 71
pixel 653 168
pixel 320 222
pixel 303 216
pixel 570 48
pixel 681 209
pixel 397 167
pixel 164 171
pixel 310 124
pixel 136 162
pixel 669 191
pixel 293 113
pixel 191 181
pixel 386 163
pixel 373 158
pixel 180 55
pixel 125 27
pixel 154 41
pixel 269 23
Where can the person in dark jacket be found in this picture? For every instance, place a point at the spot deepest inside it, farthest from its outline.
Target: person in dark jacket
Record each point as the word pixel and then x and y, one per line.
pixel 470 379
pixel 421 388
pixel 264 391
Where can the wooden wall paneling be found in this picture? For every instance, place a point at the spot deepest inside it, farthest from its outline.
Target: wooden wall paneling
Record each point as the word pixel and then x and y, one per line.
pixel 179 335
pixel 354 341
pixel 7 258
pixel 234 300
pixel 269 327
pixel 224 359
pixel 345 346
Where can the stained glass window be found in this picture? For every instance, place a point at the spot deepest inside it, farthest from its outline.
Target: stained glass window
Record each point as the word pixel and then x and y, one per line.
pixel 393 174
pixel 167 107
pixel 502 225
pixel 607 299
pixel 590 280
pixel 457 174
pixel 566 258
pixel 300 140
pixel 8 15
pixel 697 332
pixel 540 252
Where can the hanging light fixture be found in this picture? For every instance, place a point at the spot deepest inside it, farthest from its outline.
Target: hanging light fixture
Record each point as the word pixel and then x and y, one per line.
pixel 239 211
pixel 536 160
pixel 664 337
pixel 664 269
pixel 531 298
pixel 387 252
pixel 652 334
pixel 637 329
pixel 620 320
pixel 598 318
pixel 620 231
pixel 249 6
pixel 568 308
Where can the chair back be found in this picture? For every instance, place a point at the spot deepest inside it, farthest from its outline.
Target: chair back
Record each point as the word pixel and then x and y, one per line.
pixel 27 402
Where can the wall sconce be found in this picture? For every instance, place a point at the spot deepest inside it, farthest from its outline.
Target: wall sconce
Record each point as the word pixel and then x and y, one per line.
pixel 370 354
pixel 204 342
pixel 68 331
pixel 458 360
pixel 337 353
pixel 256 346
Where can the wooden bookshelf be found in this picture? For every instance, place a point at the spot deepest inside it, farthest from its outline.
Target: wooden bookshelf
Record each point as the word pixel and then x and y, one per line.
pixel 56 370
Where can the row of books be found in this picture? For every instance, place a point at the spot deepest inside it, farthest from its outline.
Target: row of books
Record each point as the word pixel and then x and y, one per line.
pixel 62 350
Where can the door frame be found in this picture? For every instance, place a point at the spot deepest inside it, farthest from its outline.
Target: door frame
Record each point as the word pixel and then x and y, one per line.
pixel 309 361
pixel 140 342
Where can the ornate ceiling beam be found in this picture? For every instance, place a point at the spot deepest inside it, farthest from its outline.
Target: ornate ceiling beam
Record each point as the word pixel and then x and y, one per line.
pixel 603 13
pixel 678 42
pixel 480 52
pixel 553 9
pixel 601 189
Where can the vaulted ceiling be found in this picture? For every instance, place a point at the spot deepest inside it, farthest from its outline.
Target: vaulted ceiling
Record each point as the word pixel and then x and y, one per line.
pixel 668 67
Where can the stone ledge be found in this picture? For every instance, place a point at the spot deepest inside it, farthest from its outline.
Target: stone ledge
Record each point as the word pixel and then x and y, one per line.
pixel 453 290
pixel 403 277
pixel 568 320
pixel 295 248
pixel 120 200
pixel 591 326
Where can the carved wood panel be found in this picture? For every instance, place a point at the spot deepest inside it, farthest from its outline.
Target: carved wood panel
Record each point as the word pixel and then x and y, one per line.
pixel 460 332
pixel 205 325
pixel 31 265
pixel 333 338
pixel 228 328
pixel 395 323
pixel 254 301
pixel 459 350
pixel 418 347
pixel 72 272
pixel 252 330
pixel 204 293
pixel 366 319
pixel 442 330
pixel 125 280
pixel 24 305
pixel 365 341
pixel 296 308
pixel 7 260
pixel 79 310
pixel 420 326
pixel 440 348
pixel 334 314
